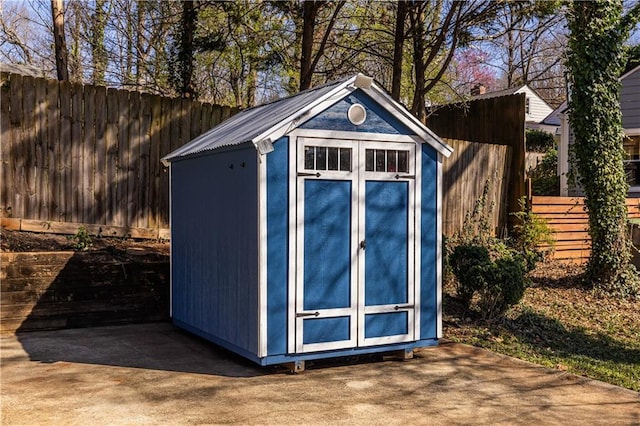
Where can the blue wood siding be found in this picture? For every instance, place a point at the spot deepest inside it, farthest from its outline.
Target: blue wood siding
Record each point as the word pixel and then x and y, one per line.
pixel 387 324
pixel 327 244
pixel 386 234
pixel 214 246
pixel 378 119
pixel 322 330
pixel 428 243
pixel 277 246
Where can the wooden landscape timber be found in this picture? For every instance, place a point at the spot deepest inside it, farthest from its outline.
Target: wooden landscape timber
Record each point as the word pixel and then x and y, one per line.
pixel 53 290
pixel 67 228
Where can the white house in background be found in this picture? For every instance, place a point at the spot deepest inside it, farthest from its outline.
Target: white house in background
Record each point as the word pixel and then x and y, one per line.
pixel 536 109
pixel 630 108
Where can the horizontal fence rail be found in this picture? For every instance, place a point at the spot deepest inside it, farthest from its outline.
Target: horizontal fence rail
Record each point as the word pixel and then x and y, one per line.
pixel 569 222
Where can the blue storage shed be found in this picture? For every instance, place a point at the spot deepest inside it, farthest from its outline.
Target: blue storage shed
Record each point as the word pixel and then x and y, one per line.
pixel 310 227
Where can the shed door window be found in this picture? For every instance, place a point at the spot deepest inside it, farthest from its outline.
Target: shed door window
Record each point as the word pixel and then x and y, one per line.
pixel 327 158
pixel 386 160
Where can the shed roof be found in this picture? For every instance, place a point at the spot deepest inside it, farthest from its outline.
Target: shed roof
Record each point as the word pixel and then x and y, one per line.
pixel 276 119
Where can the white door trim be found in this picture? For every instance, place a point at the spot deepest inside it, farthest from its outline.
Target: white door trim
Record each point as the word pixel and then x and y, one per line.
pixel 296 235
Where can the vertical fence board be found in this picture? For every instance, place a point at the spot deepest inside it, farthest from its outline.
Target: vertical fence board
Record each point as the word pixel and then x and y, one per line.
pixel 185 123
pixel 122 203
pixel 216 115
pixel 176 120
pixel 29 144
pixel 41 177
pixel 132 168
pixel 111 145
pixel 18 161
pixel 142 217
pixel 100 163
pixel 196 119
pixel 207 117
pixel 155 168
pixel 88 152
pixel 65 143
pixel 77 141
pixel 53 148
pixel 165 148
pixel 6 145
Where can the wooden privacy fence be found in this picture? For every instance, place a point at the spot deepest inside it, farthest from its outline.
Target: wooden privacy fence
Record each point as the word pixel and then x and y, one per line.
pixel 88 154
pixel 568 219
pixel 76 154
pixel 499 120
pixel 465 173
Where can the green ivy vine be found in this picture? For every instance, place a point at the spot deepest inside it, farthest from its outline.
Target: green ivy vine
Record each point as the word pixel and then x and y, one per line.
pixel 595 61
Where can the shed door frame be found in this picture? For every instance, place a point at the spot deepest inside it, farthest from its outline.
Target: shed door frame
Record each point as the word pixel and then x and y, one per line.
pixel 354 140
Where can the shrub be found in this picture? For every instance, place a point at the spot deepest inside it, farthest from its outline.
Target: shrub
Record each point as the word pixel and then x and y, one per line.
pixel 544 177
pixel 530 233
pixel 463 259
pixel 490 273
pixel 498 284
pixel 82 239
pixel 539 141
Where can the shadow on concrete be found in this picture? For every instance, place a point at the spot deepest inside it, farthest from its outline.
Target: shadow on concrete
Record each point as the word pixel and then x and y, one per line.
pixel 154 346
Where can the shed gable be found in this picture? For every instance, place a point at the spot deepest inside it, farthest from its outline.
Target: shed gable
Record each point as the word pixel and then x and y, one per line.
pixel 378 120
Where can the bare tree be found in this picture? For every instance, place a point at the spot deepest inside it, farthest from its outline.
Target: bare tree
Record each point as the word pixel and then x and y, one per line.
pixel 308 59
pixel 60 43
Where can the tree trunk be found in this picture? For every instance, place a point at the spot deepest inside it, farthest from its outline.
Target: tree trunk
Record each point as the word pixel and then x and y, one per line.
pixel 309 12
pixel 140 14
pixel 398 49
pixel 98 51
pixel 596 60
pixel 59 40
pixel 189 17
pixel 417 22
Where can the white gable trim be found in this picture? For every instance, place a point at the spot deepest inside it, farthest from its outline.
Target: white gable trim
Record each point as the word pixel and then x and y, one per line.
pixel 283 127
pixel 401 113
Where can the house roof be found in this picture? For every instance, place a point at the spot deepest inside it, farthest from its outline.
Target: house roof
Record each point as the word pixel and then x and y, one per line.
pixel 497 94
pixel 507 92
pixel 22 69
pixel 631 71
pixel 276 119
pixel 554 117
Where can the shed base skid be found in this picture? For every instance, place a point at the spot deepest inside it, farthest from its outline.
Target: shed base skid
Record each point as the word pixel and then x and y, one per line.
pixel 403 351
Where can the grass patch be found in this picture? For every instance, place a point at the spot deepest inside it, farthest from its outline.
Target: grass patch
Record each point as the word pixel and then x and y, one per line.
pixel 560 324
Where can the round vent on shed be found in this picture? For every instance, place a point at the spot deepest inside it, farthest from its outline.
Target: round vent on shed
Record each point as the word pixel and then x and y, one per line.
pixel 357 114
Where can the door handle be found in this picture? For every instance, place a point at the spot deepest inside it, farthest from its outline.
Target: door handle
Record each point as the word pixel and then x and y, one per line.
pixel 398 307
pixel 307 314
pixel 317 174
pixel 363 244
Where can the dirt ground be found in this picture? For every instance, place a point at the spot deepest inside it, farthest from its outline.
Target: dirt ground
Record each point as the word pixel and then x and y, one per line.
pixel 15 241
